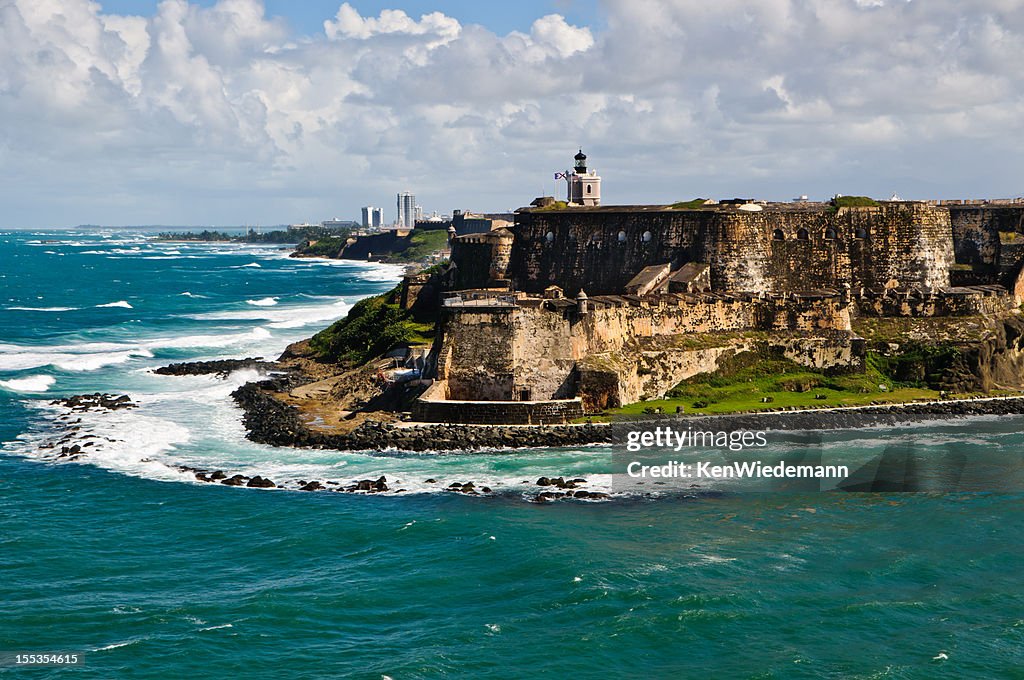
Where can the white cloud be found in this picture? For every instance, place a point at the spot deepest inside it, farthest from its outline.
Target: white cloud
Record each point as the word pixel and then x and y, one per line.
pixel 220 114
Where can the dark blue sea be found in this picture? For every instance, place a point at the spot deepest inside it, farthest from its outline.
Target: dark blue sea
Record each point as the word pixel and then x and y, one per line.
pixel 144 572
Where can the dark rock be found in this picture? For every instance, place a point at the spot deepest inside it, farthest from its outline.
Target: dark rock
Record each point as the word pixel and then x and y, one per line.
pixel 220 367
pixel 313 486
pixel 219 474
pixel 236 480
pixel 259 482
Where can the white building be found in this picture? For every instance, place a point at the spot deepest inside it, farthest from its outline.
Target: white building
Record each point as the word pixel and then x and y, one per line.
pixel 584 186
pixel 406 210
pixel 373 217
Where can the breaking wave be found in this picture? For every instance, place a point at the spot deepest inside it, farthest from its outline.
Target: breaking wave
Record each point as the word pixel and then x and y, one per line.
pixel 33 383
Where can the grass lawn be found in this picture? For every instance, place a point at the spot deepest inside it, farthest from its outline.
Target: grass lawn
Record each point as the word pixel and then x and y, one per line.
pixel 422 244
pixel 745 379
pixel 747 399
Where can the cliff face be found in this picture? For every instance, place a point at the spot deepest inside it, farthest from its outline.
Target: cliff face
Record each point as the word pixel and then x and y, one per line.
pixel 994 363
pixel 777 250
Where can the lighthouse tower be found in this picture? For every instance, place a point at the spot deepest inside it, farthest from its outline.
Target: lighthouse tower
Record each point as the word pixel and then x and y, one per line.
pixel 584 185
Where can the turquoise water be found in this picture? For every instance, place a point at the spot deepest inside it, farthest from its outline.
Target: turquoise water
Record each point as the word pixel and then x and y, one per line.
pixel 148 574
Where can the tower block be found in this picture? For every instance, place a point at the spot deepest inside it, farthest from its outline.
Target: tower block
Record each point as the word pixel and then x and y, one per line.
pixel 584 185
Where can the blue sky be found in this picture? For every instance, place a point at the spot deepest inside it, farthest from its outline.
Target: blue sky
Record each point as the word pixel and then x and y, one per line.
pixel 216 113
pixel 307 16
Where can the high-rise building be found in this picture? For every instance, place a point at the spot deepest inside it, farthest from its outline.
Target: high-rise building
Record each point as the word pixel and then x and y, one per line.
pixel 377 218
pixel 368 216
pixel 406 210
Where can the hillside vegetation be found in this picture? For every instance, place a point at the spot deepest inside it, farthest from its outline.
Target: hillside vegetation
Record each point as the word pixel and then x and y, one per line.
pixel 371 328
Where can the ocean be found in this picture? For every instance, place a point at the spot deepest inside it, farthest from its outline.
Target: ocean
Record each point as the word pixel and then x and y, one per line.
pixel 121 558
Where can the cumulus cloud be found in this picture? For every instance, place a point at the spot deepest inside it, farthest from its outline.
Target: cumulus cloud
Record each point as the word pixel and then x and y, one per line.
pixel 222 114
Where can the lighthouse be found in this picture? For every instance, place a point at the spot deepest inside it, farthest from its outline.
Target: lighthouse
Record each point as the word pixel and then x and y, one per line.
pixel 584 185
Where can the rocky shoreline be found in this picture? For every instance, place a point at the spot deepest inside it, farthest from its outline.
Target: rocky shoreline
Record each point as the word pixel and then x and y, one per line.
pixel 269 421
pixel 220 367
pixel 843 418
pixel 73 444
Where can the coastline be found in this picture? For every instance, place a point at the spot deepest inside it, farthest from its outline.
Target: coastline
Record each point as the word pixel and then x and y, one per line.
pixel 269 420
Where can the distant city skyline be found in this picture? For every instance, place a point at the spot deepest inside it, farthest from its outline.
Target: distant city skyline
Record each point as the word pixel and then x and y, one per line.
pixel 245 112
pixel 406 209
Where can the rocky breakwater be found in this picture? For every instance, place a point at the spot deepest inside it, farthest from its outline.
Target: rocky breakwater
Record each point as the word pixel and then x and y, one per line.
pixel 73 443
pixel 830 418
pixel 270 421
pixel 219 367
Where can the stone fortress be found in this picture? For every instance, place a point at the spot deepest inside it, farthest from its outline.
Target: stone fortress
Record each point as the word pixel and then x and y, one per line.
pixel 580 307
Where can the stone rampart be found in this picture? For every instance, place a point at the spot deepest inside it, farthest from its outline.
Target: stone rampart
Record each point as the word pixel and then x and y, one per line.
pixel 434 407
pixel 776 250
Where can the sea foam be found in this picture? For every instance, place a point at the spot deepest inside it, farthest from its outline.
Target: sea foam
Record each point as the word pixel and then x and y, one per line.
pixel 33 383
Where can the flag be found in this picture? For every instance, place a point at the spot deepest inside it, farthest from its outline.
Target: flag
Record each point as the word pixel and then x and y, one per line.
pixel 560 175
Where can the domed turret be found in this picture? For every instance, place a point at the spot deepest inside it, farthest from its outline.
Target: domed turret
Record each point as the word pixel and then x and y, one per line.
pixel 581 162
pixel 582 306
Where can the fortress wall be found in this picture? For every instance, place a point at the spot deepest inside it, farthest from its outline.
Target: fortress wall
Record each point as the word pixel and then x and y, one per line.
pixel 544 354
pixel 502 354
pixel 911 243
pixel 866 247
pixel 479 355
pixel 962 304
pixel 821 260
pixel 976 231
pixel 473 259
pixel 433 407
pixel 586 253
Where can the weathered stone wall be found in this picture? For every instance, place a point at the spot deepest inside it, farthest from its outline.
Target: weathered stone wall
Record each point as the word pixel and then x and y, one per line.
pixel 976 230
pixel 479 356
pixel 433 407
pixel 530 352
pixel 481 260
pixel 990 301
pixel 584 250
pixel 636 373
pixel 775 250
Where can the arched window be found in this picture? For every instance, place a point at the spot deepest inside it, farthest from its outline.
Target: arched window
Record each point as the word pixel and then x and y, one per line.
pixel 830 233
pixel 802 235
pixel 622 237
pixel 647 236
pixel 860 233
pixel 777 235
pixel 589 187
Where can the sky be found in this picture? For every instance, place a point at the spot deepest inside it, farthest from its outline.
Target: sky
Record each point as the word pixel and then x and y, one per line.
pixel 237 112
